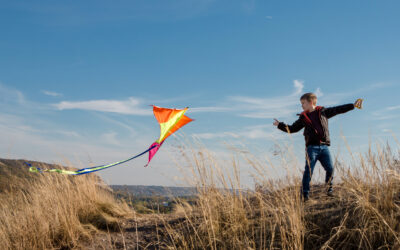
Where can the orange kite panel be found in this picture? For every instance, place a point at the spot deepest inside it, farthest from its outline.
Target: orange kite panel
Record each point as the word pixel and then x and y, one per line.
pixel 163 114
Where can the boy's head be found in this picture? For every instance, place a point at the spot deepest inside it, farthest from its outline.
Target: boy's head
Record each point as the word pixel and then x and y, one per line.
pixel 308 101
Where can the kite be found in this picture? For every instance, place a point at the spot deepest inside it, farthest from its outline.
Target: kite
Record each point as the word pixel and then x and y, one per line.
pixel 358 103
pixel 170 121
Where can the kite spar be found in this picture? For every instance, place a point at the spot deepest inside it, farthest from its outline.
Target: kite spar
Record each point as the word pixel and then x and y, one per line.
pixel 170 120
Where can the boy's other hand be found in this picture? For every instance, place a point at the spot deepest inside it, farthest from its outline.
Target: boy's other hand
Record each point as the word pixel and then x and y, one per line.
pixel 358 103
pixel 276 122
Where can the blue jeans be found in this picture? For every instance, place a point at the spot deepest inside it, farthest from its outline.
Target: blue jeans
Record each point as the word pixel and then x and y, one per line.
pixel 316 153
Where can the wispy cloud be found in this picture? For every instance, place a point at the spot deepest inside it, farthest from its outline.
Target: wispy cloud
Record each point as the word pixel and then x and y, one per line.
pixel 214 135
pixel 255 107
pixel 386 113
pixel 318 93
pixel 29 143
pixel 244 106
pixel 14 101
pixel 51 93
pixel 132 106
pixel 119 123
pixel 250 132
pixel 298 85
pixel 68 133
pixel 210 109
pixel 286 106
pixel 8 94
pixel 393 107
pixel 282 106
pixel 336 98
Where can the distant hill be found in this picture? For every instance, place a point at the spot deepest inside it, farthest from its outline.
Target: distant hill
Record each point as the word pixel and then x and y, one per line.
pixel 141 190
pixel 18 169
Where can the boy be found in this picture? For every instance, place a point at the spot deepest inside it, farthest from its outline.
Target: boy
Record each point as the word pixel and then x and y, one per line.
pixel 314 120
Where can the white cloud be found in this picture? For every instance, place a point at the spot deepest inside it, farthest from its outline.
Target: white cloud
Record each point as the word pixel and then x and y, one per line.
pixel 51 93
pixel 250 132
pixel 393 107
pixel 318 93
pixel 337 98
pixel 268 17
pixel 384 117
pixel 385 113
pixel 68 133
pixel 14 101
pixel 287 105
pixel 244 106
pixel 8 94
pixel 121 124
pixel 132 106
pixel 209 109
pixel 298 85
pixel 214 135
pixel 281 106
pixel 378 85
pixel 261 108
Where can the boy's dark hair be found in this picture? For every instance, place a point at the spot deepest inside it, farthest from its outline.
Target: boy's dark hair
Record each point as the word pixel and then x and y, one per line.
pixel 310 97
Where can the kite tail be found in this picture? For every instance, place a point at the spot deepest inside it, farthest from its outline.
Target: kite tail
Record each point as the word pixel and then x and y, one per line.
pixel 84 170
pixel 41 170
pixel 33 169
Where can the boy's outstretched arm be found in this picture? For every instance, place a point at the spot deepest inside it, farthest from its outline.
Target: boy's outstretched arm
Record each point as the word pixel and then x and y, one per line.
pixel 295 127
pixel 330 112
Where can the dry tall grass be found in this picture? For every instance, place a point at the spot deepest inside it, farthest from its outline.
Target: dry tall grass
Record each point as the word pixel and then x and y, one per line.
pixel 56 211
pixel 53 211
pixel 364 214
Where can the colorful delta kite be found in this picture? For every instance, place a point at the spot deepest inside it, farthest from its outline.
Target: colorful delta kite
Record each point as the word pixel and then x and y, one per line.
pixel 170 121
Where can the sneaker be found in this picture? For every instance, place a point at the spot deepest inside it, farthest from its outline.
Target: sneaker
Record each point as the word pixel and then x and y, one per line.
pixel 305 198
pixel 330 193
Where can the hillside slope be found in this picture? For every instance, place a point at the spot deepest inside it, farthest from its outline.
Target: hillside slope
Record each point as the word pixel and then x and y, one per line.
pixel 55 211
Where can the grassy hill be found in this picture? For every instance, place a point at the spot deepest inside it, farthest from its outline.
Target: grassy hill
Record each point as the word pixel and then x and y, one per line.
pixel 54 211
pixel 47 211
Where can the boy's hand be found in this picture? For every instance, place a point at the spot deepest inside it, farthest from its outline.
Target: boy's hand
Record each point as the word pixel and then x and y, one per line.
pixel 276 122
pixel 358 103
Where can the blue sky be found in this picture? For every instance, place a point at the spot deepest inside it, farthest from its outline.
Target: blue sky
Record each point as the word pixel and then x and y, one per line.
pixel 77 77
